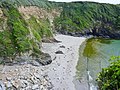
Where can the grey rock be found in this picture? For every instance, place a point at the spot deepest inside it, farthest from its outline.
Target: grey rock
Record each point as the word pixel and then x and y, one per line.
pixel 50 86
pixel 58 64
pixel 45 59
pixel 37 75
pixel 28 88
pixel 33 79
pixel 34 63
pixel 24 83
pixel 54 58
pixel 8 78
pixel 34 87
pixel 62 46
pixel 15 84
pixel 59 52
pixel 8 84
pixel 2 86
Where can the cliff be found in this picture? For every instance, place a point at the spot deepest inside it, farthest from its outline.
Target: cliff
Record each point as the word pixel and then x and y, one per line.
pixel 24 24
pixel 22 31
pixel 89 18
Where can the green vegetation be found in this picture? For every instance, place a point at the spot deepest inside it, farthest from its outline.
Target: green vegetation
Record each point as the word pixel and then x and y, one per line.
pixel 39 3
pixel 14 39
pixel 109 78
pixel 80 16
pixel 40 28
pixel 19 36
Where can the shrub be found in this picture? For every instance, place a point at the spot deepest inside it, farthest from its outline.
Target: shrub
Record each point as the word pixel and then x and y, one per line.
pixel 109 78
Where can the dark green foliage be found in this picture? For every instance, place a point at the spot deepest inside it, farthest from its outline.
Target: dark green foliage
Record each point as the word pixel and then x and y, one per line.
pixel 40 28
pixel 18 28
pixel 118 23
pixel 14 39
pixel 6 46
pixel 39 3
pixel 20 36
pixel 79 16
pixel 109 78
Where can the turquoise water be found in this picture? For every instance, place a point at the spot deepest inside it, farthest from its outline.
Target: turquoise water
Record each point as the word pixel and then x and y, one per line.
pixel 95 55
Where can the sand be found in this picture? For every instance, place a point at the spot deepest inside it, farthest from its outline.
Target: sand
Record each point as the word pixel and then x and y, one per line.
pixel 63 69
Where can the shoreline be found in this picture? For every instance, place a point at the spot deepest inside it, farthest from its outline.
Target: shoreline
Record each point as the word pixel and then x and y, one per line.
pixel 59 75
pixel 63 68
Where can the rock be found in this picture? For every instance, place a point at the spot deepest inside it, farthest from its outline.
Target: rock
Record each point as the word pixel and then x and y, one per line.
pixel 45 59
pixel 59 52
pixel 8 78
pixel 27 88
pixel 33 80
pixel 16 83
pixel 50 86
pixel 54 58
pixel 16 70
pixel 50 40
pixel 58 64
pixel 37 75
pixel 35 87
pixel 44 82
pixel 34 63
pixel 24 83
pixel 41 87
pixel 62 46
pixel 54 69
pixel 2 86
pixel 8 84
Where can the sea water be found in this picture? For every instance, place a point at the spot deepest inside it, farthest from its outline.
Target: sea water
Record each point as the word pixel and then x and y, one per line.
pixel 94 55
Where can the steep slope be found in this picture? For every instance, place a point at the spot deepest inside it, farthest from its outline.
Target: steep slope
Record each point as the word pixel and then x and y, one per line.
pixel 21 35
pixel 81 18
pixel 85 18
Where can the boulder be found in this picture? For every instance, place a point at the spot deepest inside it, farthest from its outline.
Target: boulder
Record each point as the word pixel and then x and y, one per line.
pixel 62 46
pixel 45 59
pixel 59 52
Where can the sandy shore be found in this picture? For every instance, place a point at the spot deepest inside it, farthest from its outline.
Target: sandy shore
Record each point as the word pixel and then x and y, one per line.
pixel 63 68
pixel 58 75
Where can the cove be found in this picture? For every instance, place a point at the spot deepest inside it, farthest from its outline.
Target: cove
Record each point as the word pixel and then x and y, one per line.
pixel 94 54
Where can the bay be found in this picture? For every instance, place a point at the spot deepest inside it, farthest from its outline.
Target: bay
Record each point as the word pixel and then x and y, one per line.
pixel 94 55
